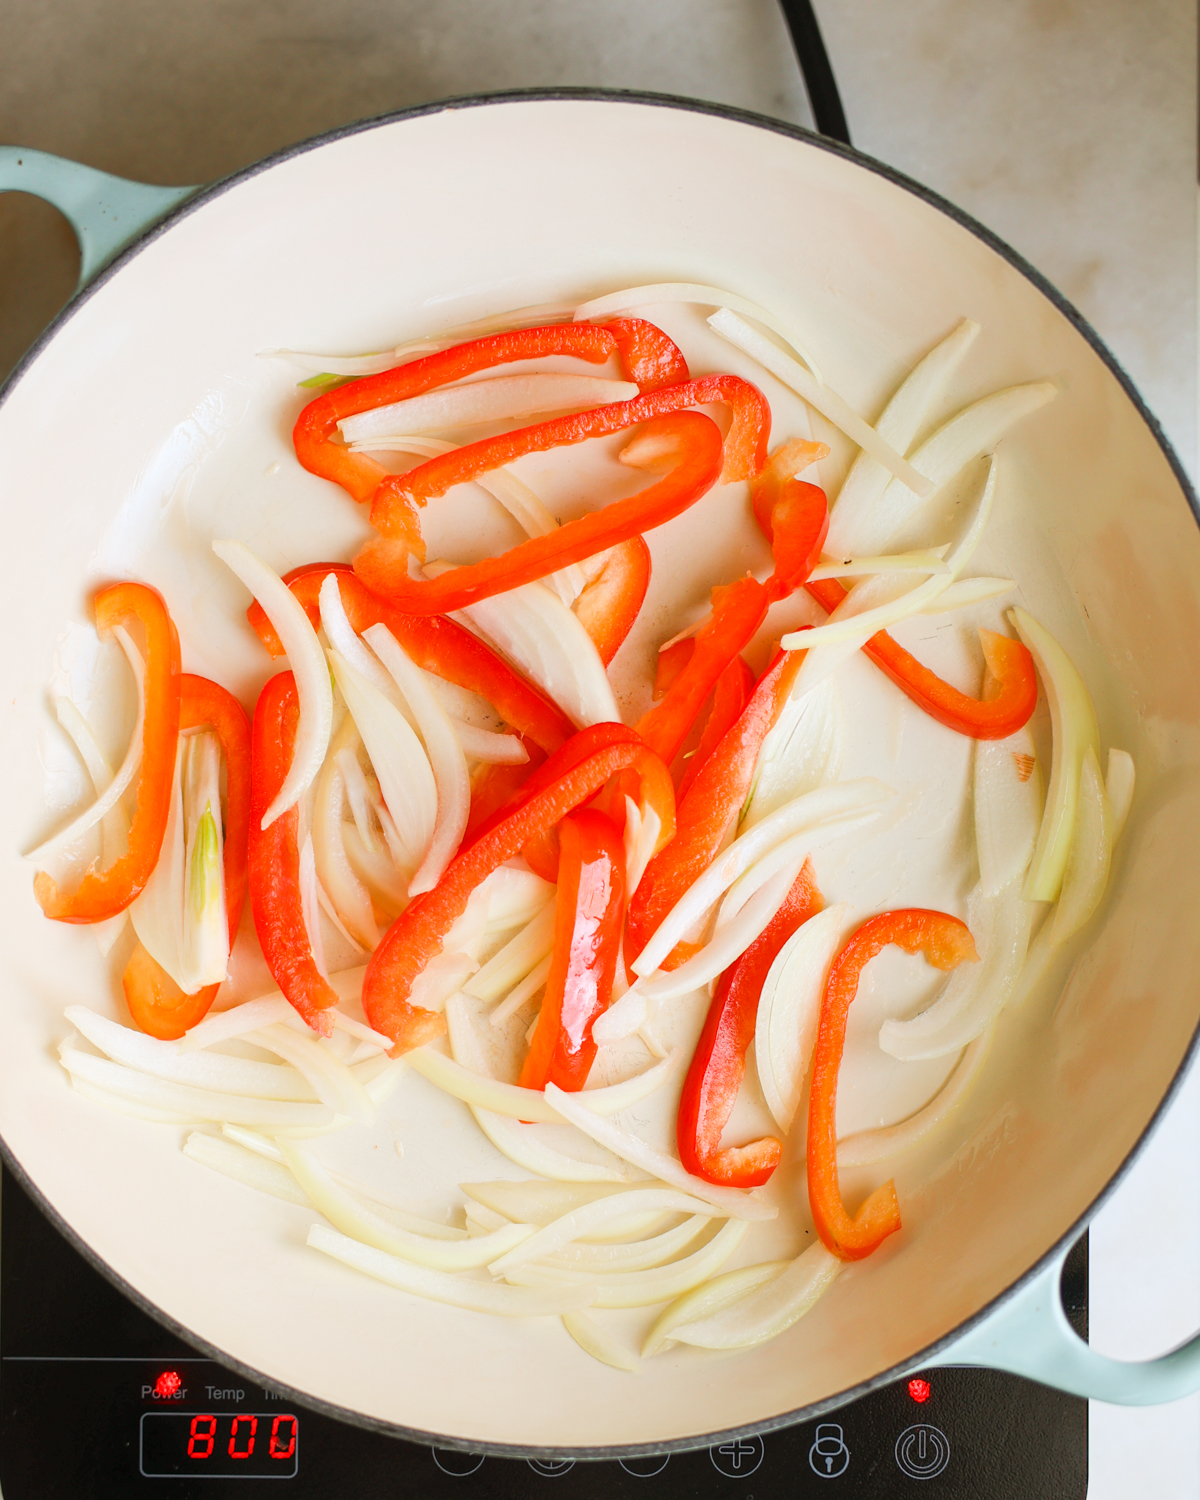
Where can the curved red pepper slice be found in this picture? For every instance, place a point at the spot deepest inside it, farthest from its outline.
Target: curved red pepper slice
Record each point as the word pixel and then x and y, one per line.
pixel 609 605
pixel 691 440
pixel 589 910
pixel 946 942
pixel 703 816
pixel 792 514
pixel 718 1064
pixel 274 859
pixel 415 937
pixel 439 645
pixel 104 893
pixel 995 718
pixel 156 1003
pixel 647 354
pixel 730 696
pixel 738 610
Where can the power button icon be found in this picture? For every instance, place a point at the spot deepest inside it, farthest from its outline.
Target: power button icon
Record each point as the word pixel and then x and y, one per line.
pixel 829 1455
pixel 922 1451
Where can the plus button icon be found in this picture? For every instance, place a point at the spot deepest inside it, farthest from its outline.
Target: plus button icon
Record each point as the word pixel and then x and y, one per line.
pixel 738 1458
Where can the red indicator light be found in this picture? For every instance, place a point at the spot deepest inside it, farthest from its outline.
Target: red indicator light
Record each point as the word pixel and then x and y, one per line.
pixel 167 1383
pixel 919 1390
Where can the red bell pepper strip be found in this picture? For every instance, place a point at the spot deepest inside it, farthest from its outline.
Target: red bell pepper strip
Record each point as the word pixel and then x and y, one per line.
pixel 792 514
pixel 494 785
pixel 609 605
pixel 439 645
pixel 730 696
pixel 671 661
pixel 946 942
pixel 694 444
pixel 718 1064
pixel 704 815
pixel 274 859
pixel 655 791
pixel 647 354
pixel 415 937
pixel 156 1003
pixel 588 914
pixel 738 610
pixel 1009 661
pixel 104 893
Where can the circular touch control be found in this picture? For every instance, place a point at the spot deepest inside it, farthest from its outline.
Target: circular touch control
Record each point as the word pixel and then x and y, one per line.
pixel 738 1458
pixel 550 1467
pixel 922 1451
pixel 451 1461
pixel 648 1467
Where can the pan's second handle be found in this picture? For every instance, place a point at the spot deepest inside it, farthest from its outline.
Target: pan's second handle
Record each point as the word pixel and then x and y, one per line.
pixel 106 212
pixel 1029 1335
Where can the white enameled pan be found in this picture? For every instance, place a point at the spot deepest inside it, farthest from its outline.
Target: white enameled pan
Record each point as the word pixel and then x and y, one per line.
pixel 144 424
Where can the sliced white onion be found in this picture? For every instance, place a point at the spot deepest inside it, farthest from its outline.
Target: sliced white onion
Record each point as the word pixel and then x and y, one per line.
pixel 803 749
pixel 642 834
pixel 789 1008
pixel 522 993
pixel 968 435
pixel 737 1203
pixel 851 621
pixel 207 1070
pixel 534 1202
pixel 494 398
pixel 1118 785
pixel 307 662
pixel 347 893
pixel 397 757
pixel 131 1107
pixel 535 629
pixel 526 1147
pixel 310 905
pixel 443 1286
pixel 899 424
pixel 869 1146
pixel 489 748
pixel 728 942
pixel 445 757
pixel 827 402
pixel 644 1288
pixel 196 1103
pixel 224 1025
pixel 965 592
pixel 517 959
pixel 443 976
pixel 244 1166
pixel 515 895
pixel 354 1218
pixel 928 562
pixel 975 993
pixel 764 1314
pixel 353 365
pixel 1073 731
pixel 600 1344
pixel 157 914
pixel 708 1298
pixel 1008 808
pixel 635 1255
pixel 332 1081
pixel 112 794
pixel 592 1218
pixel 114 826
pixel 1090 855
pixel 829 807
pixel 599 308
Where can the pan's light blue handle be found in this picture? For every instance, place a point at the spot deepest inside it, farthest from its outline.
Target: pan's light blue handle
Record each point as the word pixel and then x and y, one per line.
pixel 1029 1335
pixel 107 213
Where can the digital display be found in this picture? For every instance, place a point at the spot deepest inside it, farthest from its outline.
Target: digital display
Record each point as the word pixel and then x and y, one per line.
pixel 256 1445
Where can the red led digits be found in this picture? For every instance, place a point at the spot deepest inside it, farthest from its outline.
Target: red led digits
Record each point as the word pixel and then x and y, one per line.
pixel 234 1451
pixel 199 1436
pixel 276 1449
pixel 167 1383
pixel 919 1390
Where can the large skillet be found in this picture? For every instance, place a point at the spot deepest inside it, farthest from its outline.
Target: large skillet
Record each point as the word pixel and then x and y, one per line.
pixel 144 412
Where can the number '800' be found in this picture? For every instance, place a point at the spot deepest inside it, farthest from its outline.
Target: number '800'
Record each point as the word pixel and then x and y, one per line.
pixel 202 1436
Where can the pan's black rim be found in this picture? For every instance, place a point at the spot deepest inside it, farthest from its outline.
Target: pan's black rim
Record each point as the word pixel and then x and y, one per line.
pixel 1057 1251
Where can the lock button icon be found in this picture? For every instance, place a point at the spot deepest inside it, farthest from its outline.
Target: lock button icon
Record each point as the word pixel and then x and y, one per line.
pixel 829 1455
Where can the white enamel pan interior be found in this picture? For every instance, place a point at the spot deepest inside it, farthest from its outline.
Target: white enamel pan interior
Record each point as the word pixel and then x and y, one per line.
pixel 145 424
